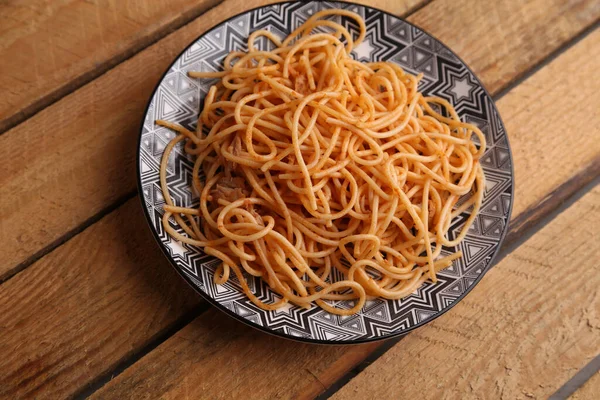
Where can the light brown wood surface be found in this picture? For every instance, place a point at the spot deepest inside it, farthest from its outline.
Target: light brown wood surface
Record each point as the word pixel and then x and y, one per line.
pixel 92 306
pixel 531 117
pixel 589 391
pixel 216 357
pixel 543 132
pixel 48 48
pixel 83 308
pixel 88 140
pixel 319 367
pixel 103 118
pixel 527 328
pixel 485 33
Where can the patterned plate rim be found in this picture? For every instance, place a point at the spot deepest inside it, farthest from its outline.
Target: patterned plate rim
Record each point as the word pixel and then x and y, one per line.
pixel 283 334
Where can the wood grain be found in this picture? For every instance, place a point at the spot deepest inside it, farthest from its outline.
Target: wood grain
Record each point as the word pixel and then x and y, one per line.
pixel 539 113
pixel 219 358
pixel 49 48
pixel 103 118
pixel 527 328
pixel 42 366
pixel 78 311
pixel 487 33
pixel 160 374
pixel 589 391
pixel 76 157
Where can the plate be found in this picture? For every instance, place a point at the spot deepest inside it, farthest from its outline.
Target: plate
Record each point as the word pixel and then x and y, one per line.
pixel 177 99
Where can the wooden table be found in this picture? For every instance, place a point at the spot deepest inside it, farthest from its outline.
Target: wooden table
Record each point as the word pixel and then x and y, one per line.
pixel 90 307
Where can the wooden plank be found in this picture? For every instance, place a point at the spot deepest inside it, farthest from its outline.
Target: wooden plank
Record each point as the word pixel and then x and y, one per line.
pixel 80 310
pixel 534 113
pixel 485 33
pixel 299 371
pixel 220 358
pixel 530 118
pixel 524 331
pixel 590 390
pixel 75 157
pixel 43 361
pixel 49 48
pixel 67 43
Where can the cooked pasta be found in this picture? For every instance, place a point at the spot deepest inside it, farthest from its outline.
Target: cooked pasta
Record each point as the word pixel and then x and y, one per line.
pixel 328 178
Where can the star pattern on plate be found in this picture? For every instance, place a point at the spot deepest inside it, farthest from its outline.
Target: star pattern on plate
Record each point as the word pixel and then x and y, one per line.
pixel 462 88
pixel 176 248
pixel 363 51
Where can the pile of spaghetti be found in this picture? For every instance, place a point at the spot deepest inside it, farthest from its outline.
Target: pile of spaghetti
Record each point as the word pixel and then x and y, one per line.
pixel 308 162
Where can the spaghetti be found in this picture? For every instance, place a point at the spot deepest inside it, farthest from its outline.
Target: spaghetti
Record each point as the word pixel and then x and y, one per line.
pixel 328 178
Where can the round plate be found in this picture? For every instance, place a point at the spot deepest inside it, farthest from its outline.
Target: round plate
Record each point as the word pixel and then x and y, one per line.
pixel 177 98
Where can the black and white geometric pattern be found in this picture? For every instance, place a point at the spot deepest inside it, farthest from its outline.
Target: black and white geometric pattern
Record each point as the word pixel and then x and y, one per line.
pixel 177 99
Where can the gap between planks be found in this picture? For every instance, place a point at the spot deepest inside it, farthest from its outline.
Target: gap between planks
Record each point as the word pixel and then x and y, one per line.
pixel 202 350
pixel 52 237
pixel 68 236
pixel 578 380
pixel 528 328
pixel 589 391
pixel 567 187
pixel 151 345
pixel 154 324
pixel 551 57
pixel 101 68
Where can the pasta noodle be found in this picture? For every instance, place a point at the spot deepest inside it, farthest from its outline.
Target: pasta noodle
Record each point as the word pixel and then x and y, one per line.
pixel 328 178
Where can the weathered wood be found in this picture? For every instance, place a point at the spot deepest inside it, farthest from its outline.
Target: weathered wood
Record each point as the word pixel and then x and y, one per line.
pixel 539 113
pixel 57 367
pixel 487 34
pixel 545 176
pixel 286 363
pixel 219 358
pixel 524 331
pixel 49 48
pixel 76 157
pixel 80 310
